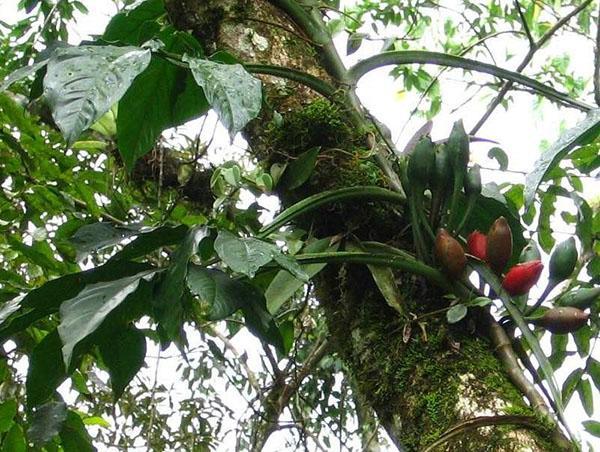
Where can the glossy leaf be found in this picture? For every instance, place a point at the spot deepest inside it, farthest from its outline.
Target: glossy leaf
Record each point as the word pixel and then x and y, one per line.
pixel 231 91
pixel 82 83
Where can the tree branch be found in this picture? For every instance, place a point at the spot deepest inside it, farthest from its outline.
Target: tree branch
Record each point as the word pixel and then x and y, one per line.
pixel 525 25
pixel 526 60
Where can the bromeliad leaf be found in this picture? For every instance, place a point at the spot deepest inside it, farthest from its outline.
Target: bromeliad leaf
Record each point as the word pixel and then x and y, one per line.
pixel 235 95
pixel 84 313
pixel 83 83
pixel 583 133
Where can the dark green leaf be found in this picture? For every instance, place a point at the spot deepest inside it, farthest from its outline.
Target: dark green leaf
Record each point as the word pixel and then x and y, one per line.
pixel 289 263
pixel 570 385
pixel 82 83
pixel 46 422
pixel 46 299
pixel 243 255
pixel 84 313
pixel 354 42
pixel 46 370
pixel 594 372
pixel 582 337
pixel 136 26
pixel 500 156
pixel 223 294
pixel 231 91
pixel 299 170
pixel 73 435
pixel 456 313
pixel 147 242
pixel 582 134
pixel 123 353
pixel 260 322
pixel 168 302
pixel 97 236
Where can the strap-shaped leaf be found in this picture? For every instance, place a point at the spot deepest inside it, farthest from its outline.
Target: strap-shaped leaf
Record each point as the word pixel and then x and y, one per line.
pixel 231 91
pixel 82 83
pixel 443 59
pixel 583 133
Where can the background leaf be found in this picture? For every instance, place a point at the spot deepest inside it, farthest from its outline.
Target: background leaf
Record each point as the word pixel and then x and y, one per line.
pixel 583 133
pixel 299 170
pixel 46 422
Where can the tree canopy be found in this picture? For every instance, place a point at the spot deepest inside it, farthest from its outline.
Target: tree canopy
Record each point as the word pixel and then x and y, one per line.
pixel 125 249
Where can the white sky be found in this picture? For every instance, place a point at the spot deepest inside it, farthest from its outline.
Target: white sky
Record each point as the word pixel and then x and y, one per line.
pixel 519 132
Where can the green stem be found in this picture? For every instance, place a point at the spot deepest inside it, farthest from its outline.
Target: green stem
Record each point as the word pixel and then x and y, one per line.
pixel 343 194
pixel 442 59
pixel 318 85
pixel 396 261
pixel 416 224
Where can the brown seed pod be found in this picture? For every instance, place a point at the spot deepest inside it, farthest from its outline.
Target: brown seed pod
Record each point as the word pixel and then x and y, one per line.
pixel 450 254
pixel 499 245
pixel 562 320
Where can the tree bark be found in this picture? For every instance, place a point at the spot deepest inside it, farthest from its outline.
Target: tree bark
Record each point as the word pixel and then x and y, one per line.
pixel 429 384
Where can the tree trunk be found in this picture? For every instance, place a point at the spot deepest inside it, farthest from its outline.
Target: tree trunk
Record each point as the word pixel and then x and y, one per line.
pixel 426 381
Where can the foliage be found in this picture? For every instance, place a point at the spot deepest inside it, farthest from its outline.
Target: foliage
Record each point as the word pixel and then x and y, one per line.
pixel 116 243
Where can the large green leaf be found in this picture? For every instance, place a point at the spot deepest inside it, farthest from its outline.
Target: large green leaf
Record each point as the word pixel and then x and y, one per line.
pixel 164 96
pixel 285 285
pixel 21 312
pixel 299 171
pixel 123 353
pixel 84 313
pixel 243 255
pixel 223 294
pixel 583 133
pixel 97 236
pixel 83 83
pixel 168 305
pixel 46 370
pixel 73 435
pixel 136 26
pixel 46 422
pixel 231 91
pixel 147 242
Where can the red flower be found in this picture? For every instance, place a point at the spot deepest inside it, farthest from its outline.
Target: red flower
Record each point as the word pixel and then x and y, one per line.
pixel 522 277
pixel 477 244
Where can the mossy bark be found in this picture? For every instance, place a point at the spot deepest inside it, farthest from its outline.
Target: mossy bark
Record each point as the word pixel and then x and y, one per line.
pixel 420 382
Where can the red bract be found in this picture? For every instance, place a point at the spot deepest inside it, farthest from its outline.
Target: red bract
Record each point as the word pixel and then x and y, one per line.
pixel 477 244
pixel 522 277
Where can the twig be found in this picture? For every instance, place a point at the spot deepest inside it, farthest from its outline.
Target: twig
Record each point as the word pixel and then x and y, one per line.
pixel 525 25
pixel 526 60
